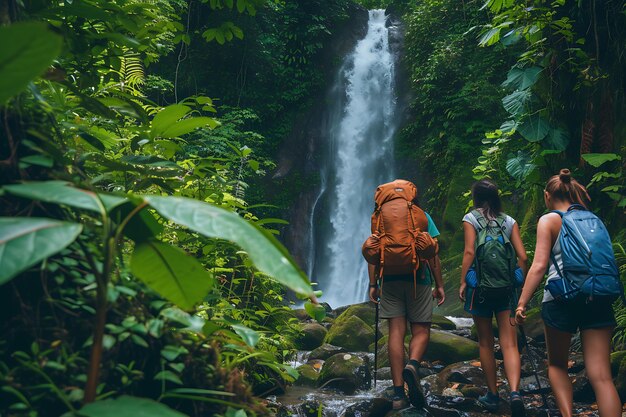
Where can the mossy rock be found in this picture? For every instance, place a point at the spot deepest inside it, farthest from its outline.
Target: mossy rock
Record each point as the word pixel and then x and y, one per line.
pixel 620 378
pixel 450 348
pixel 533 326
pixel 351 333
pixel 311 336
pixel 364 311
pixel 326 351
pixel 308 375
pixel 494 326
pixel 442 323
pixel 346 372
pixel 301 314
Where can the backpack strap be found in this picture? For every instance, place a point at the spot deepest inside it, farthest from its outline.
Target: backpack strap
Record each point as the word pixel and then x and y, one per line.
pixel 480 219
pixel 577 207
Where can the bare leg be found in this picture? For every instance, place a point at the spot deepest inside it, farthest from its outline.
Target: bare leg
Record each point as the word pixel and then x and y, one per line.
pixel 557 343
pixel 485 347
pixel 597 350
pixel 420 335
pixel 397 330
pixel 508 344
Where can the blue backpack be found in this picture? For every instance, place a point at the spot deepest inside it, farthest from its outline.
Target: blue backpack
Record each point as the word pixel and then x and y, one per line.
pixel 589 267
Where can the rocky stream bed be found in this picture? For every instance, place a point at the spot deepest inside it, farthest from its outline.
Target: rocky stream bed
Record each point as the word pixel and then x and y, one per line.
pixel 336 366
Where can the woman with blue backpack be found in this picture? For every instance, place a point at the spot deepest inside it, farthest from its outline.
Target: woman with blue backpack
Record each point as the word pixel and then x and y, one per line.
pixel 582 282
pixel 494 265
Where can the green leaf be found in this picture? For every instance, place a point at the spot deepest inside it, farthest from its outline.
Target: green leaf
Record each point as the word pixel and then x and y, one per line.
pixel 188 125
pixel 249 336
pixel 597 159
pixel 193 323
pixel 522 78
pixel 168 376
pixel 172 273
pixel 266 252
pixel 231 412
pixel 316 311
pixel 25 242
pixel 28 48
pixel 557 139
pixel 40 160
pixel 60 192
pixel 167 117
pixel 516 102
pixel 534 128
pixel 171 352
pixel 126 406
pixel 490 37
pixel 520 166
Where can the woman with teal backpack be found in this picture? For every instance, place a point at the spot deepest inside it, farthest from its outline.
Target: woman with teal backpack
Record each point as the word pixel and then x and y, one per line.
pixel 494 265
pixel 579 291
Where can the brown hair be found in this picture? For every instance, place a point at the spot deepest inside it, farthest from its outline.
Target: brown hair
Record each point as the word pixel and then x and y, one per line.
pixel 485 196
pixel 565 188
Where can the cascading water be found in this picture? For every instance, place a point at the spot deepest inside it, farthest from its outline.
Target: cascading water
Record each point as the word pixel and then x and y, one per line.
pixel 362 120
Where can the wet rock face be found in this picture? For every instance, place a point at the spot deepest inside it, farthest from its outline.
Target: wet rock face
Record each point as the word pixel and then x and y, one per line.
pixel 346 373
pixel 312 336
pixel 375 407
pixel 309 374
pixel 326 351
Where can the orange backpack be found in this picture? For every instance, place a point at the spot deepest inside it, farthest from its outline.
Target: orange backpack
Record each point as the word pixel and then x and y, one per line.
pixel 399 239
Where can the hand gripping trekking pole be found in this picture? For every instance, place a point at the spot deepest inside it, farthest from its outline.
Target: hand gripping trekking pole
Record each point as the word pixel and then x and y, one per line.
pixel 534 366
pixel 376 343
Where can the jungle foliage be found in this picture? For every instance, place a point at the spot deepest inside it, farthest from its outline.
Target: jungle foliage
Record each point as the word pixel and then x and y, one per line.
pixel 132 263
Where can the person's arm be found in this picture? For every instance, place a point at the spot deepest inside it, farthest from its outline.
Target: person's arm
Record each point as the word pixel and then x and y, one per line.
pixel 520 251
pixel 468 255
pixel 547 229
pixel 439 292
pixel 373 289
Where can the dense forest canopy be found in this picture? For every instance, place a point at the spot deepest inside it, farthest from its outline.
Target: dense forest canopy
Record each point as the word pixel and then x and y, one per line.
pixel 140 254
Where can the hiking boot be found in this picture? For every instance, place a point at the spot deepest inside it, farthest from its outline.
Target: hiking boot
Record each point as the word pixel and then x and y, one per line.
pixel 490 401
pixel 517 405
pixel 412 380
pixel 398 402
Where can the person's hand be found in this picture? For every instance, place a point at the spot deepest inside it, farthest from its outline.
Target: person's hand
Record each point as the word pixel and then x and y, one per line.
pixel 440 295
pixel 374 294
pixel 520 314
pixel 462 291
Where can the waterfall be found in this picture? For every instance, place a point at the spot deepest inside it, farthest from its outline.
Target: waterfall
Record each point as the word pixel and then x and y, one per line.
pixel 359 156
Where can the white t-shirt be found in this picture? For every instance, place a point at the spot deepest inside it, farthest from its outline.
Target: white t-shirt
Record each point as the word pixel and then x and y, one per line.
pixel 507 227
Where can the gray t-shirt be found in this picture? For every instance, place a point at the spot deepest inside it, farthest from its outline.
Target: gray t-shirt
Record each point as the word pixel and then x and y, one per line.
pixel 507 226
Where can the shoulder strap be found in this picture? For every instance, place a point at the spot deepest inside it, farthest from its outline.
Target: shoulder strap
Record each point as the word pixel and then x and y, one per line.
pixel 577 207
pixel 482 222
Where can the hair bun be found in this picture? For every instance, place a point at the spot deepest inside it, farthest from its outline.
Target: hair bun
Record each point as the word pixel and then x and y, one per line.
pixel 565 175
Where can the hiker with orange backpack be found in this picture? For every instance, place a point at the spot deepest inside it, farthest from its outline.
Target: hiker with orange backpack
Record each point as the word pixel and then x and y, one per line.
pixel 403 260
pixel 494 264
pixel 575 249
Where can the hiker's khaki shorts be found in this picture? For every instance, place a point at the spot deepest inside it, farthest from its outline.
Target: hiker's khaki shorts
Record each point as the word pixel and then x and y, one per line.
pixel 397 300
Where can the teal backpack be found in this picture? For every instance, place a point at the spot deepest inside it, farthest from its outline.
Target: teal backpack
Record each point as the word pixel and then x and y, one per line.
pixel 495 259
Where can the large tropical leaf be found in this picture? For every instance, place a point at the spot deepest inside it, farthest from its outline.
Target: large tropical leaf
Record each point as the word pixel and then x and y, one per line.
pixel 25 241
pixel 520 165
pixel 534 128
pixel 597 159
pixel 557 139
pixel 60 192
pixel 187 125
pixel 516 102
pixel 126 406
pixel 266 252
pixel 27 50
pixel 172 273
pixel 522 78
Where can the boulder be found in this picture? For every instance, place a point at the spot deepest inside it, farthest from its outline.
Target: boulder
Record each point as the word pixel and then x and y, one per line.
pixel 410 412
pixel 309 373
pixel 442 323
pixel 311 336
pixel 450 348
pixel 365 311
pixel 346 372
pixel 616 360
pixel 582 389
pixel 350 333
pixel 620 379
pixel 374 407
pixel 533 326
pixel 383 373
pixel 301 314
pixel 325 351
pixel 467 372
pixel 310 408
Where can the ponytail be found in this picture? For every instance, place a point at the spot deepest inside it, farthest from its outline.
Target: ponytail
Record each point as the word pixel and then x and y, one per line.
pixel 486 197
pixel 564 187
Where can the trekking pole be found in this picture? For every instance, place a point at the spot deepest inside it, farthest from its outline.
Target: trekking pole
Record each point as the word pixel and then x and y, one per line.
pixel 376 343
pixel 534 366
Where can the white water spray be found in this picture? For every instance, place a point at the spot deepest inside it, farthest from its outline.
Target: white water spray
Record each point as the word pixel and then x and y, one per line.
pixel 360 156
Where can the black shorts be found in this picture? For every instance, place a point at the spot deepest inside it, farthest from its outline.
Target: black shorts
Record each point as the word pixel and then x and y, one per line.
pixel 579 314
